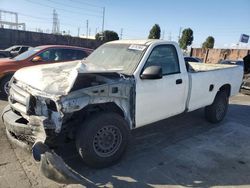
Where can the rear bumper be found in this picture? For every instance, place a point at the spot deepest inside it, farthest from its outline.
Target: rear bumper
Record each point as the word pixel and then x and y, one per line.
pixel 27 136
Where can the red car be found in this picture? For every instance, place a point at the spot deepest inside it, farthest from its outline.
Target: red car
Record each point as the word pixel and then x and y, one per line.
pixel 38 56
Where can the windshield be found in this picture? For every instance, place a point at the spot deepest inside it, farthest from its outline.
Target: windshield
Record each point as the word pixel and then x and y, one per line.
pixel 122 58
pixel 26 54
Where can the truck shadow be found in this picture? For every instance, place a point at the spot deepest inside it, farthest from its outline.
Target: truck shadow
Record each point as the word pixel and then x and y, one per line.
pixel 183 150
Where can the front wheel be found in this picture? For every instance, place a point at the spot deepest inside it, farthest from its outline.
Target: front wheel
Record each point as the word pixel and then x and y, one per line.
pixel 102 139
pixel 216 112
pixel 4 85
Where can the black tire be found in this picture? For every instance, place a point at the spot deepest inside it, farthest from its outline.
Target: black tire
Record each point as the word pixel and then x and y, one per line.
pixel 216 112
pixel 102 139
pixel 4 84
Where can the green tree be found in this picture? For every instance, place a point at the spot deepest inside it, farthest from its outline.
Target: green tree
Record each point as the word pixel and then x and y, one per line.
pixel 106 36
pixel 209 43
pixel 155 32
pixel 186 38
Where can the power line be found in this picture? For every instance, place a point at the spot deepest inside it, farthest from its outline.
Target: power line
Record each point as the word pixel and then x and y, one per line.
pixel 35 17
pixel 88 4
pixel 43 20
pixel 73 12
pixel 63 4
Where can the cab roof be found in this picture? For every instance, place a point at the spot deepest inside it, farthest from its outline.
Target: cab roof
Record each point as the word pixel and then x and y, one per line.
pixel 140 42
pixel 61 46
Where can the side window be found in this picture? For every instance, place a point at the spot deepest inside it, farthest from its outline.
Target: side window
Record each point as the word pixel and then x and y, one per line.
pixel 50 55
pixel 67 54
pixel 80 54
pixel 166 57
pixel 23 49
pixel 16 49
pixel 72 54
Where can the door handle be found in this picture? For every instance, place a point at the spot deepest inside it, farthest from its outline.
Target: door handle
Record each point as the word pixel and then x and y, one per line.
pixel 178 81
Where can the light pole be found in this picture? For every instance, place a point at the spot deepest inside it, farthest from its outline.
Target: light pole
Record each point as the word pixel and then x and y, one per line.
pixel 103 18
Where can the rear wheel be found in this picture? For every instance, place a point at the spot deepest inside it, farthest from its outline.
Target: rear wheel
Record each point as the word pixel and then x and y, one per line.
pixel 216 112
pixel 102 139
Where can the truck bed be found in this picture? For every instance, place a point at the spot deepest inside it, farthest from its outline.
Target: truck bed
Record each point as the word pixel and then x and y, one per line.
pixel 206 79
pixel 203 67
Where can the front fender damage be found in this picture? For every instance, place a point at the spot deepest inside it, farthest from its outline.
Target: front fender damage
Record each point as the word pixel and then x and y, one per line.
pixel 119 90
pixel 58 109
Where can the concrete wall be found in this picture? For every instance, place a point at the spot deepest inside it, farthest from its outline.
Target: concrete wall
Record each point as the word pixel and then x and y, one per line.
pixel 215 55
pixel 9 37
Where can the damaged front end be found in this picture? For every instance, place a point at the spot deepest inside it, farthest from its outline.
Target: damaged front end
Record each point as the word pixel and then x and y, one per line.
pixel 37 120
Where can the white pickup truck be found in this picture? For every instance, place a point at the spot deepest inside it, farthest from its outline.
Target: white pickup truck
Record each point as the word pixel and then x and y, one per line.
pixel 96 102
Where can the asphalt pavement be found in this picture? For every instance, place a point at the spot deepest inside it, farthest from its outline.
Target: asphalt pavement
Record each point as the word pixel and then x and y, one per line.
pixel 182 151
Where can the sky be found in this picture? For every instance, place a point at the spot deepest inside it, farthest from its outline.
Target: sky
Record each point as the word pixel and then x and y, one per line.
pixel 225 20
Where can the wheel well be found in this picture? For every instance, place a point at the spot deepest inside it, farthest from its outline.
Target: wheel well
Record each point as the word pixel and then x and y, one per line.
pixel 10 74
pixel 110 106
pixel 226 88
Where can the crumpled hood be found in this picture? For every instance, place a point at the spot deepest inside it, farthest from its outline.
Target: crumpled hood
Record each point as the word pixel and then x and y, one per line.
pixel 55 79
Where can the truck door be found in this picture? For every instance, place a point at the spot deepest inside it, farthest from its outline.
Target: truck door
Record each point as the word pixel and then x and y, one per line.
pixel 158 99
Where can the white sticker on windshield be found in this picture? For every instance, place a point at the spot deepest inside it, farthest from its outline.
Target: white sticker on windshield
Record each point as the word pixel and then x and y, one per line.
pixel 136 47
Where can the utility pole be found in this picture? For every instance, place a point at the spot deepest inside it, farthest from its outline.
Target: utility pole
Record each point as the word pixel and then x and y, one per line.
pixel 163 35
pixel 103 18
pixel 179 36
pixel 78 32
pixel 170 36
pixel 0 16
pixel 87 28
pixel 121 33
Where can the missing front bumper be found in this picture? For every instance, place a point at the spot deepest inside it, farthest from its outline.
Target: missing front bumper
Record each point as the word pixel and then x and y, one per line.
pixel 52 166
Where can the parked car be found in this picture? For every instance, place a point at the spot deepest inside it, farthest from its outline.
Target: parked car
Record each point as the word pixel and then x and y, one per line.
pixel 245 87
pixel 37 56
pixel 232 62
pixel 192 59
pixel 13 51
pixel 121 86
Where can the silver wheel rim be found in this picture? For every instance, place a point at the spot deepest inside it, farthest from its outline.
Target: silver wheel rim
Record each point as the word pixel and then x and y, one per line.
pixel 6 87
pixel 107 141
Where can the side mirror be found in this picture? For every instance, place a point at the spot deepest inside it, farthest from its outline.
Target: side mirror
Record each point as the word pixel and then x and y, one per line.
pixel 36 59
pixel 152 72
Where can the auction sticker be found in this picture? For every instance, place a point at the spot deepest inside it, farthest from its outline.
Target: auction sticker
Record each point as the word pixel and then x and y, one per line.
pixel 136 47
